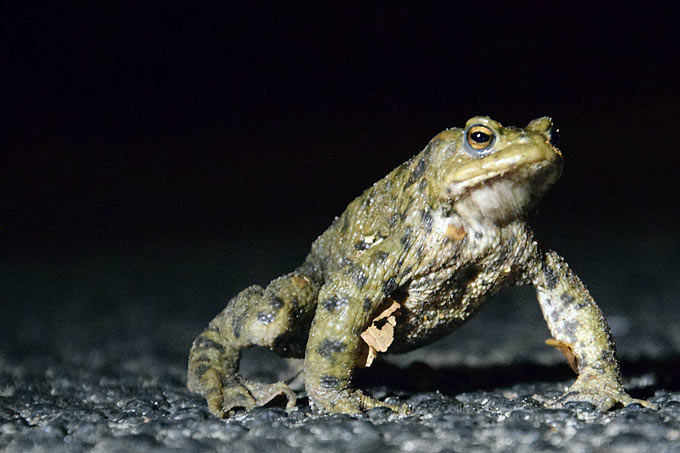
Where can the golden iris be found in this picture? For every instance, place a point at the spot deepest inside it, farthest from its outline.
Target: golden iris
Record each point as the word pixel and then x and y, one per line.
pixel 480 137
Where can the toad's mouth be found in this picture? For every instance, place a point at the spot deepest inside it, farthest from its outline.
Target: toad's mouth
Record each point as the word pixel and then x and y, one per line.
pixel 522 174
pixel 506 194
pixel 520 163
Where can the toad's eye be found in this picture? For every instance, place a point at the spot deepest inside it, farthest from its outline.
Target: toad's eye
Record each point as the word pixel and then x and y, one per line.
pixel 480 137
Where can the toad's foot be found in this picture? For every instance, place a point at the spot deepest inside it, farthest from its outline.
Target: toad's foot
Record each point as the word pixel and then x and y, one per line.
pixel 601 391
pixel 237 392
pixel 266 393
pixel 353 402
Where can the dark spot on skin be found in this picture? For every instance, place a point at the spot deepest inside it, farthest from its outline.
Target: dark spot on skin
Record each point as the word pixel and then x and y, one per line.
pixel 201 370
pixel 567 298
pixel 555 315
pixel 367 304
pixel 381 256
pixel 389 286
pixel 357 274
pixel 207 343
pixel 419 251
pixel 265 318
pixel 276 303
pixel 329 382
pixel 582 303
pixel 569 328
pixel 417 172
pixel 427 220
pixel 236 325
pixel 406 239
pixel 604 356
pixel 213 329
pixel 334 302
pixel 202 358
pixel 328 347
pixel 550 278
pixel 394 220
pixel 361 246
pixel 479 235
pixel 422 186
pixel 407 209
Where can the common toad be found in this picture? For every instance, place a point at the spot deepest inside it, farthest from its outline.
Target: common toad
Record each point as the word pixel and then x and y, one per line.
pixel 436 235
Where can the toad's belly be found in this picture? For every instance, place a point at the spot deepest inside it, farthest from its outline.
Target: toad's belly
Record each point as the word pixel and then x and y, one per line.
pixel 416 328
pixel 436 304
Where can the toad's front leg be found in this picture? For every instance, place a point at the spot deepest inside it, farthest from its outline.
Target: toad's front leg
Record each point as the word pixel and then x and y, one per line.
pixel 578 324
pixel 346 304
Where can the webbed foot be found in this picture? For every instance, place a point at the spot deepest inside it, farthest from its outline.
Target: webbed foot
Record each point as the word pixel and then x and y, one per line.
pixel 602 392
pixel 353 402
pixel 265 393
pixel 235 392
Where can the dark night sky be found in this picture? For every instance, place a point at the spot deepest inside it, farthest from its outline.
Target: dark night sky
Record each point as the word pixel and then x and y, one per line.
pixel 197 120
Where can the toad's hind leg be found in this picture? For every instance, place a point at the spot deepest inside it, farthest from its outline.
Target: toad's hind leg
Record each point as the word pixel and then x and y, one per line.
pixel 277 317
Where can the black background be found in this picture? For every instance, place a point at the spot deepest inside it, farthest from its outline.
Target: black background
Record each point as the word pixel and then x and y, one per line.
pixel 172 124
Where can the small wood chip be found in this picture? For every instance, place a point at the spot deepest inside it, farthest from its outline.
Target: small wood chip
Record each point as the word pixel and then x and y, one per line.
pixel 299 282
pixel 378 339
pixel 455 232
pixel 567 349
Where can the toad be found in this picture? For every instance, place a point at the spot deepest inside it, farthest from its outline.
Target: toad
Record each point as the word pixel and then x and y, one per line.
pixel 436 236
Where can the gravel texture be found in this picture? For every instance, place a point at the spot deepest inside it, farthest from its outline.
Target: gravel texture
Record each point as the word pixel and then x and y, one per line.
pixel 95 343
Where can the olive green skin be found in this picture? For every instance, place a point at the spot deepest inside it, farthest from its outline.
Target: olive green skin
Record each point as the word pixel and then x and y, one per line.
pixel 438 234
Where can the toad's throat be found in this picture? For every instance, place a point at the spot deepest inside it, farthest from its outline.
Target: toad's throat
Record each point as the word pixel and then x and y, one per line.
pixel 502 196
pixel 497 201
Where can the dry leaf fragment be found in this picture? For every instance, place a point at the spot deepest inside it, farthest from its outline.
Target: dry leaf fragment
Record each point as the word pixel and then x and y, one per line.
pixel 299 282
pixel 567 349
pixel 379 336
pixel 455 232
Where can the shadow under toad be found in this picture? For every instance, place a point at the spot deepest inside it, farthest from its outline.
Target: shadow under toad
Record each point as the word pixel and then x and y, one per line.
pixel 419 377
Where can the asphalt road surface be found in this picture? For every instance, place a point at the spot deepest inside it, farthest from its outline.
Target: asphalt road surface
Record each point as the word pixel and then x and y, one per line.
pixel 96 335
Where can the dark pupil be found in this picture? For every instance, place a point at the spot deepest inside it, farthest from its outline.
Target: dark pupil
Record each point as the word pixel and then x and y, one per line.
pixel 480 137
